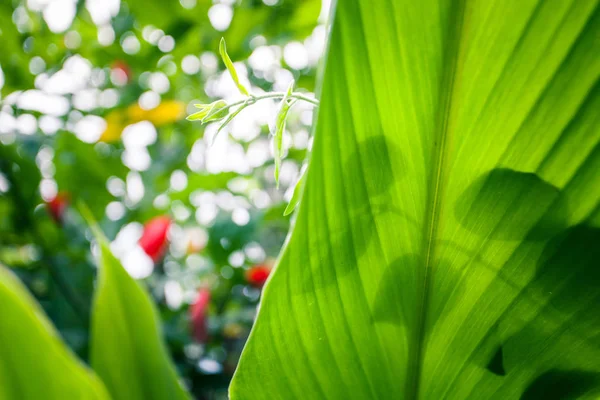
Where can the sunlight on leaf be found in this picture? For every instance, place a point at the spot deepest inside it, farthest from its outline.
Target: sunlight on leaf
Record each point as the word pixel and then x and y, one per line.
pixel 444 248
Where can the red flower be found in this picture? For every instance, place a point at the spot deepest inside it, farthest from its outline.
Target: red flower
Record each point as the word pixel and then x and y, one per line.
pixel 198 312
pixel 57 206
pixel 154 239
pixel 257 275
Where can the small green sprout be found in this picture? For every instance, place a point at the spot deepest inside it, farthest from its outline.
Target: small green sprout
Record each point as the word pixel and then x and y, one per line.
pixel 221 111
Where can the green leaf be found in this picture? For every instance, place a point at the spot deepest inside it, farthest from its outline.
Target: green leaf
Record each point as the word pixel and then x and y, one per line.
pixel 284 108
pixel 230 67
pixel 216 112
pixel 34 363
pixel 127 348
pixel 447 243
pixel 209 112
pixel 297 195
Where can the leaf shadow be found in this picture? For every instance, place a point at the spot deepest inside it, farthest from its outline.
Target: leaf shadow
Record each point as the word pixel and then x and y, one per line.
pixel 338 257
pixel 556 311
pixel 505 204
pixel 561 385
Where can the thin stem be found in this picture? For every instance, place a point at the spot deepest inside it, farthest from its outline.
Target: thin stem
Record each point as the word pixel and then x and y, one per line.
pixel 275 95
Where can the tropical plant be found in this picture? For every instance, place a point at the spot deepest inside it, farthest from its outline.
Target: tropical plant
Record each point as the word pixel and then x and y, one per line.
pixel 128 352
pixel 446 243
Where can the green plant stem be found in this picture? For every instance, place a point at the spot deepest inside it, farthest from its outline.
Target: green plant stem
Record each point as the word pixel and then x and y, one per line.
pixel 275 95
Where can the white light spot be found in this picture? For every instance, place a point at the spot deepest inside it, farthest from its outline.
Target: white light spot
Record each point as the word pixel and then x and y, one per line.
pixel 188 4
pixel 109 98
pixel 59 15
pixel 209 366
pixel 180 212
pixel 155 36
pixel 159 82
pixel 137 159
pixel 255 252
pixel 149 100
pixel 206 214
pixel 26 124
pixel 166 43
pixel 295 55
pixel 236 259
pixel 4 184
pixel 37 65
pixel 86 100
pixel 89 128
pixel 179 180
pixel 126 239
pixel 220 16
pixel 283 77
pixel 115 210
pixel 262 58
pixel 130 44
pixel 37 100
pixel 106 35
pixel 210 62
pixel 139 135
pixel 102 11
pixel 36 5
pixel 72 40
pixel 135 187
pixel 8 124
pixel 74 76
pixel 161 201
pixel 115 186
pixel 173 295
pixel 315 44
pixel 190 64
pixel 50 124
pixel 48 189
pixel 137 263
pixel 260 198
pixel 240 216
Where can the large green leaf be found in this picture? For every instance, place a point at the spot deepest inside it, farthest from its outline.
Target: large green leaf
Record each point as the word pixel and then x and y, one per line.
pixel 34 363
pixel 127 346
pixel 446 246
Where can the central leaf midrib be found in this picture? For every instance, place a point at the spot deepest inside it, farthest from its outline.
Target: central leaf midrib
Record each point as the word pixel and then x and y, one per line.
pixel 435 187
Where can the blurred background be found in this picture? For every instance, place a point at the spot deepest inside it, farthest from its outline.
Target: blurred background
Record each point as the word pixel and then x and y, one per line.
pixel 93 99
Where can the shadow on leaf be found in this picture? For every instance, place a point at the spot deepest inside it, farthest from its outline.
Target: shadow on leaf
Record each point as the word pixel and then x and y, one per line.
pixel 510 205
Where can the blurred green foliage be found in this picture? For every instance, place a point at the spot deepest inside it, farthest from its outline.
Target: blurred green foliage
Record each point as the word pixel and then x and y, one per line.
pixel 69 96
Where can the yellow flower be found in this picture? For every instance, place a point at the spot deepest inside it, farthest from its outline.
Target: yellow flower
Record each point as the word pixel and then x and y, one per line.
pixel 166 113
pixel 115 123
